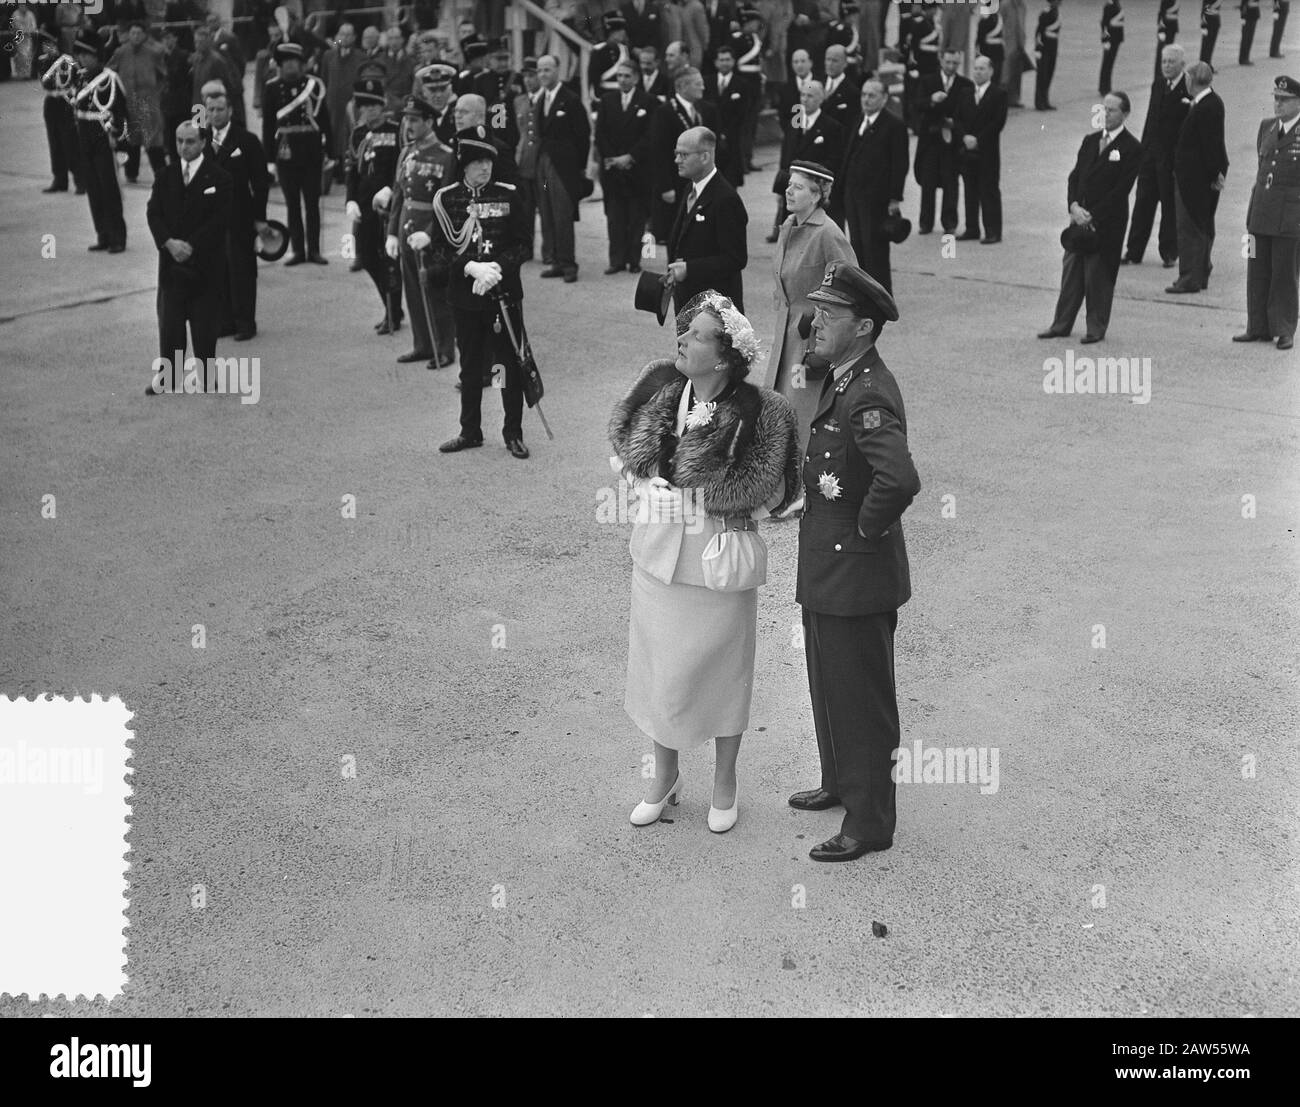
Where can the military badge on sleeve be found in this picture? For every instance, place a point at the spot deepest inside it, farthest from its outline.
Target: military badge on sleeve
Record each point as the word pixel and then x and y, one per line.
pixel 871 419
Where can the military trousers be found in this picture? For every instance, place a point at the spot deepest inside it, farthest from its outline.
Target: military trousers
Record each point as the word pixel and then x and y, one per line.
pixel 99 173
pixel 1272 280
pixel 482 350
pixel 855 712
pixel 61 135
pixel 300 182
pixel 385 273
pixel 432 334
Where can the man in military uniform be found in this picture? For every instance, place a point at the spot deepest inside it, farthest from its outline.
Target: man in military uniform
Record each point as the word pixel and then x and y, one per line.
pixel 1249 17
pixel 1047 41
pixel 1112 38
pixel 844 32
pixel 58 78
pixel 296 133
pixel 100 109
pixel 433 83
pixel 499 85
pixel 747 46
pixel 853 575
pixel 1281 9
pixel 475 51
pixel 426 165
pixel 990 38
pixel 606 58
pixel 1273 267
pixel 480 240
pixel 1211 21
pixel 1166 30
pixel 370 174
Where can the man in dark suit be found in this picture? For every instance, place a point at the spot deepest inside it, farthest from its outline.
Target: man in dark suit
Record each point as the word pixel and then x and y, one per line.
pixel 564 133
pixel 729 95
pixel 1102 178
pixel 843 101
pixel 643 20
pixel 706 247
pixel 814 137
pixel 980 115
pixel 1273 267
pixel 936 144
pixel 653 79
pixel 188 213
pixel 853 574
pixel 870 185
pixel 686 109
pixel 1200 167
pixel 623 146
pixel 1165 114
pixel 238 151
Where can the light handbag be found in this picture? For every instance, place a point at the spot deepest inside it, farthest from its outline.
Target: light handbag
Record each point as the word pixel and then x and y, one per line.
pixel 735 560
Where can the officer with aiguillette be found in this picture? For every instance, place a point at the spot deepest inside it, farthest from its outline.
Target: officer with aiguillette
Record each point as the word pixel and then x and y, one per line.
pixel 858 480
pixel 482 239
pixel 370 172
pixel 426 165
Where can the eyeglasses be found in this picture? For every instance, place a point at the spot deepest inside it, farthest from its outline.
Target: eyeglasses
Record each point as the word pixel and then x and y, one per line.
pixel 680 154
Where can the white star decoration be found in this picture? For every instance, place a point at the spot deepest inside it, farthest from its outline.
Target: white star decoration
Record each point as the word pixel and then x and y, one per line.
pixel 829 486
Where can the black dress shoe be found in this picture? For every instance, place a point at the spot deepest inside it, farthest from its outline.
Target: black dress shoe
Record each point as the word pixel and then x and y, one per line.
pixel 1130 261
pixel 244 336
pixel 56 187
pixel 969 236
pixel 517 448
pixel 844 848
pixel 816 800
pixel 460 442
pixel 117 248
pixel 612 270
pixel 571 277
pixel 1089 339
pixel 386 327
pixel 414 355
pixel 355 267
pixel 1176 288
pixel 1052 334
pixel 634 268
pixel 991 240
pixel 1285 342
pixel 97 247
pixel 925 230
pixel 294 259
pixel 316 259
pixel 772 237
pixel 552 272
pixel 1246 336
pixel 440 362
pixel 1168 263
pixel 81 190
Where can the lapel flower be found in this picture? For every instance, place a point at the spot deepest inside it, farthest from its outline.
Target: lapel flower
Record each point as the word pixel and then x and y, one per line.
pixel 829 486
pixel 700 415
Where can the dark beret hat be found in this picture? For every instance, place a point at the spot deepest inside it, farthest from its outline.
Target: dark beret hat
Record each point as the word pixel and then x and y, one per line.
pixel 855 288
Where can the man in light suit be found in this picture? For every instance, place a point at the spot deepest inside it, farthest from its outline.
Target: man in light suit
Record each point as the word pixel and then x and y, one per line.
pixel 870 186
pixel 1097 196
pixel 853 574
pixel 188 213
pixel 1200 167
pixel 980 115
pixel 706 247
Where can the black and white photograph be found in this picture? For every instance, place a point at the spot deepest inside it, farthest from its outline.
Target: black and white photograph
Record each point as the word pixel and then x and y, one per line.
pixel 661 509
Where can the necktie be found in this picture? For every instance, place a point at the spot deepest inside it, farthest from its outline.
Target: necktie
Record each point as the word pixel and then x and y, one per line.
pixel 185 174
pixel 1105 141
pixel 692 199
pixel 979 93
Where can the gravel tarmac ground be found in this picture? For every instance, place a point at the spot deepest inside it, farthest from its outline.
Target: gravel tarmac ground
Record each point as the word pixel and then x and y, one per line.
pixel 464 639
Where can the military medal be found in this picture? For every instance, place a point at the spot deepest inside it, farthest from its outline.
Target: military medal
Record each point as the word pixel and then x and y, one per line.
pixel 829 486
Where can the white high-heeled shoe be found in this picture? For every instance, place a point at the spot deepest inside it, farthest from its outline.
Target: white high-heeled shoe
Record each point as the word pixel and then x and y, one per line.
pixel 722 821
pixel 643 814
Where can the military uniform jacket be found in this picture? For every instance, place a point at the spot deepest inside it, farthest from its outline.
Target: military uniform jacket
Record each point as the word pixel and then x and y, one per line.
pixel 486 224
pixel 858 479
pixel 500 90
pixel 423 169
pixel 1047 35
pixel 1112 23
pixel 373 165
pixel 1275 199
pixel 295 120
pixel 99 104
pixel 600 70
pixel 59 75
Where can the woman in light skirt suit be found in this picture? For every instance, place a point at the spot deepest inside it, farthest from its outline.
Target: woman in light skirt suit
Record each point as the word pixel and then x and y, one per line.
pixel 707 453
pixel 808 240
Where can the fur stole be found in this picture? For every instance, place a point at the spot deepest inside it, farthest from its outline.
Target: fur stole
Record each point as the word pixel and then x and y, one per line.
pixel 748 453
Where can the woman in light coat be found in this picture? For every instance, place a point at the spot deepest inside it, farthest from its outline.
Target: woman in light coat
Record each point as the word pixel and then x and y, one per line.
pixel 708 454
pixel 807 242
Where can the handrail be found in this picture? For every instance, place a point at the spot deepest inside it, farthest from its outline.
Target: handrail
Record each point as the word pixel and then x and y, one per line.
pixel 516 15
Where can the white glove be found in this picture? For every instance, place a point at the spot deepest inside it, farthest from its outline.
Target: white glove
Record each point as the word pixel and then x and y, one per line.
pixel 661 501
pixel 381 199
pixel 353 210
pixel 418 240
pixel 392 247
pixel 486 273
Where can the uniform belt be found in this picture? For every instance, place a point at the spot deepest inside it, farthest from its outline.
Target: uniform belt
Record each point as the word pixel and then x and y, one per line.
pixel 296 128
pixel 418 205
pixel 739 522
pixel 91 116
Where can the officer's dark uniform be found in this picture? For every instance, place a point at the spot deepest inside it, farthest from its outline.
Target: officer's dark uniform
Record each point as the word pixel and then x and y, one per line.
pixel 844 32
pixel 990 41
pixel 1047 41
pixel 605 60
pixel 473 48
pixel 432 81
pixel 372 168
pixel 858 480
pixel 1211 20
pixel 1281 8
pixel 1249 17
pixel 100 109
pixel 919 44
pixel 296 132
pixel 747 48
pixel 59 79
pixel 1273 268
pixel 499 89
pixel 1112 35
pixel 424 168
pixel 484 225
